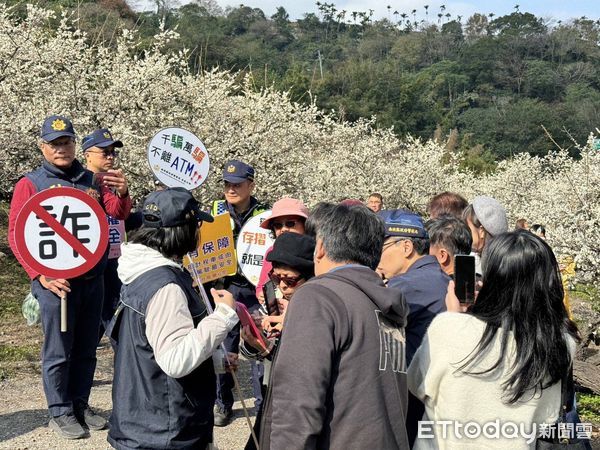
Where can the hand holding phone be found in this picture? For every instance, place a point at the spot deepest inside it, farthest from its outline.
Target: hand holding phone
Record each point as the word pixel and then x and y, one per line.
pixel 271 299
pixel 114 179
pixel 223 296
pixel 247 321
pixel 98 178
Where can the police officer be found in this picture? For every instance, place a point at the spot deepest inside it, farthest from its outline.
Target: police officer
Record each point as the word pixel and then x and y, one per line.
pixel 238 186
pixel 68 359
pixel 407 264
pixel 100 151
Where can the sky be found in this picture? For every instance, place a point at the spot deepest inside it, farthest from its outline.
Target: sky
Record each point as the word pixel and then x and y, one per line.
pixel 552 9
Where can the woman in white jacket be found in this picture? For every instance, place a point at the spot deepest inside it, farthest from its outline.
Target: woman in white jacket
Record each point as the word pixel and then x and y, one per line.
pixel 490 376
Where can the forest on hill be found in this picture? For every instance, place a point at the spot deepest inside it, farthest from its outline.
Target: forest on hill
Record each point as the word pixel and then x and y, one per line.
pixel 483 84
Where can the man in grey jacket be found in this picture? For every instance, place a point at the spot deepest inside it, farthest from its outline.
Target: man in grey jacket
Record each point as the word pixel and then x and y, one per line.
pixel 339 377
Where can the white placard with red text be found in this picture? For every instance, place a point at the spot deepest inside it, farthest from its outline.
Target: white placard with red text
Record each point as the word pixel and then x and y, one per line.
pixel 178 158
pixel 252 244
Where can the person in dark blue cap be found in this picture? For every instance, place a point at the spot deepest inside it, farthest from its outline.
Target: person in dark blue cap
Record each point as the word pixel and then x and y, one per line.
pixel 99 149
pixel 406 264
pixel 165 342
pixel 68 359
pixel 238 186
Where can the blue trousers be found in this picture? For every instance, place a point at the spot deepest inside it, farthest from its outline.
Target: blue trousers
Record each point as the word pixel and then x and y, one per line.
pixel 225 384
pixel 69 359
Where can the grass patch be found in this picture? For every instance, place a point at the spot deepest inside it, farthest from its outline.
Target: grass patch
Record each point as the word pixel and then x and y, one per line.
pixel 588 292
pixel 13 356
pixel 588 406
pixel 16 353
pixel 13 278
pixel 15 287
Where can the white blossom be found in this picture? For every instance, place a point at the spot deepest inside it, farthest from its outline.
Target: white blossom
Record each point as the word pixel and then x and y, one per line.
pixel 297 150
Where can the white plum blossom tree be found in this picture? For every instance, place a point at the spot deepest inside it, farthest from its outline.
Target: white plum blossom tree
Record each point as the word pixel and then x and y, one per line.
pixel 297 150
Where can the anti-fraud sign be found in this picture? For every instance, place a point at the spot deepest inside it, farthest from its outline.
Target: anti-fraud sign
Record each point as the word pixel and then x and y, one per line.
pixel 61 232
pixel 178 158
pixel 215 256
pixel 252 244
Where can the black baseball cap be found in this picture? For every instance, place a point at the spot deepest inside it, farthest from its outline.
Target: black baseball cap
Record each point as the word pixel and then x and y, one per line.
pixel 237 172
pixel 402 223
pixel 55 127
pixel 100 138
pixel 171 207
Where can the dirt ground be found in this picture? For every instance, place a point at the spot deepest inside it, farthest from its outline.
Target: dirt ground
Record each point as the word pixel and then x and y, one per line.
pixel 24 418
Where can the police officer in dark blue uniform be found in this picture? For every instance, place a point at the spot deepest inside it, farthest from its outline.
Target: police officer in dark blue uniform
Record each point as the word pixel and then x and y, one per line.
pixel 100 151
pixel 238 186
pixel 68 359
pixel 406 263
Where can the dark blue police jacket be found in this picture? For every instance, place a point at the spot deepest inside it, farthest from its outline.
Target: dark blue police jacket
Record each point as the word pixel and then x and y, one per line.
pixel 424 286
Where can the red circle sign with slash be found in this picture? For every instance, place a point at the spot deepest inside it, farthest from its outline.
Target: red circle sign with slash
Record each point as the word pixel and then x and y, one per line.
pixel 61 232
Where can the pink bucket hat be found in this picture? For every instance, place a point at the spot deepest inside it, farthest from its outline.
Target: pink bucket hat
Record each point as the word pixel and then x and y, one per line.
pixel 286 207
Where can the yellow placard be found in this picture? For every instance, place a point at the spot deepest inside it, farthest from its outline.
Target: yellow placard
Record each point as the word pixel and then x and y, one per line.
pixel 215 256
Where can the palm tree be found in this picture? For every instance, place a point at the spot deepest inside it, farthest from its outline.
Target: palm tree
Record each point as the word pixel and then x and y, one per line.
pixel 516 8
pixel 426 10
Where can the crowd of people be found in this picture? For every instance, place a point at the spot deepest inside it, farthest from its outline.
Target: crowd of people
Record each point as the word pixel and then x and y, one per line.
pixel 363 340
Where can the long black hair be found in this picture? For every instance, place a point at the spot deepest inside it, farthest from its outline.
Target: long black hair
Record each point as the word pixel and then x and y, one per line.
pixel 522 293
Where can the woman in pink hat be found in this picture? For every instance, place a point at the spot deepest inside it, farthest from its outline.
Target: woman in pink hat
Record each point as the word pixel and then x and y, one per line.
pixel 288 214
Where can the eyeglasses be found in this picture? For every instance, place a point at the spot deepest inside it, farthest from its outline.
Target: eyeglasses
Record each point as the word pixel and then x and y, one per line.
pixel 287 224
pixel 289 281
pixel 62 143
pixel 389 244
pixel 106 153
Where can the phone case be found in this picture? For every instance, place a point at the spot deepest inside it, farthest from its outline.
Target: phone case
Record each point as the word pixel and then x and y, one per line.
pixel 464 278
pixel 98 178
pixel 246 320
pixel 271 299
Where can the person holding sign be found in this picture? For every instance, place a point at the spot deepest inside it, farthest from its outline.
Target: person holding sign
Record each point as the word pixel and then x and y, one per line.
pixel 164 381
pixel 238 185
pixel 99 149
pixel 68 358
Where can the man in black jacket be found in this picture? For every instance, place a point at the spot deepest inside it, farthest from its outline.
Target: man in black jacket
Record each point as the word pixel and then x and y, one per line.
pixel 339 377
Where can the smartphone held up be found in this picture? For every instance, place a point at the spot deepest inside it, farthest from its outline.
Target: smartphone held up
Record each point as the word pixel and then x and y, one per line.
pixel 98 178
pixel 464 278
pixel 271 298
